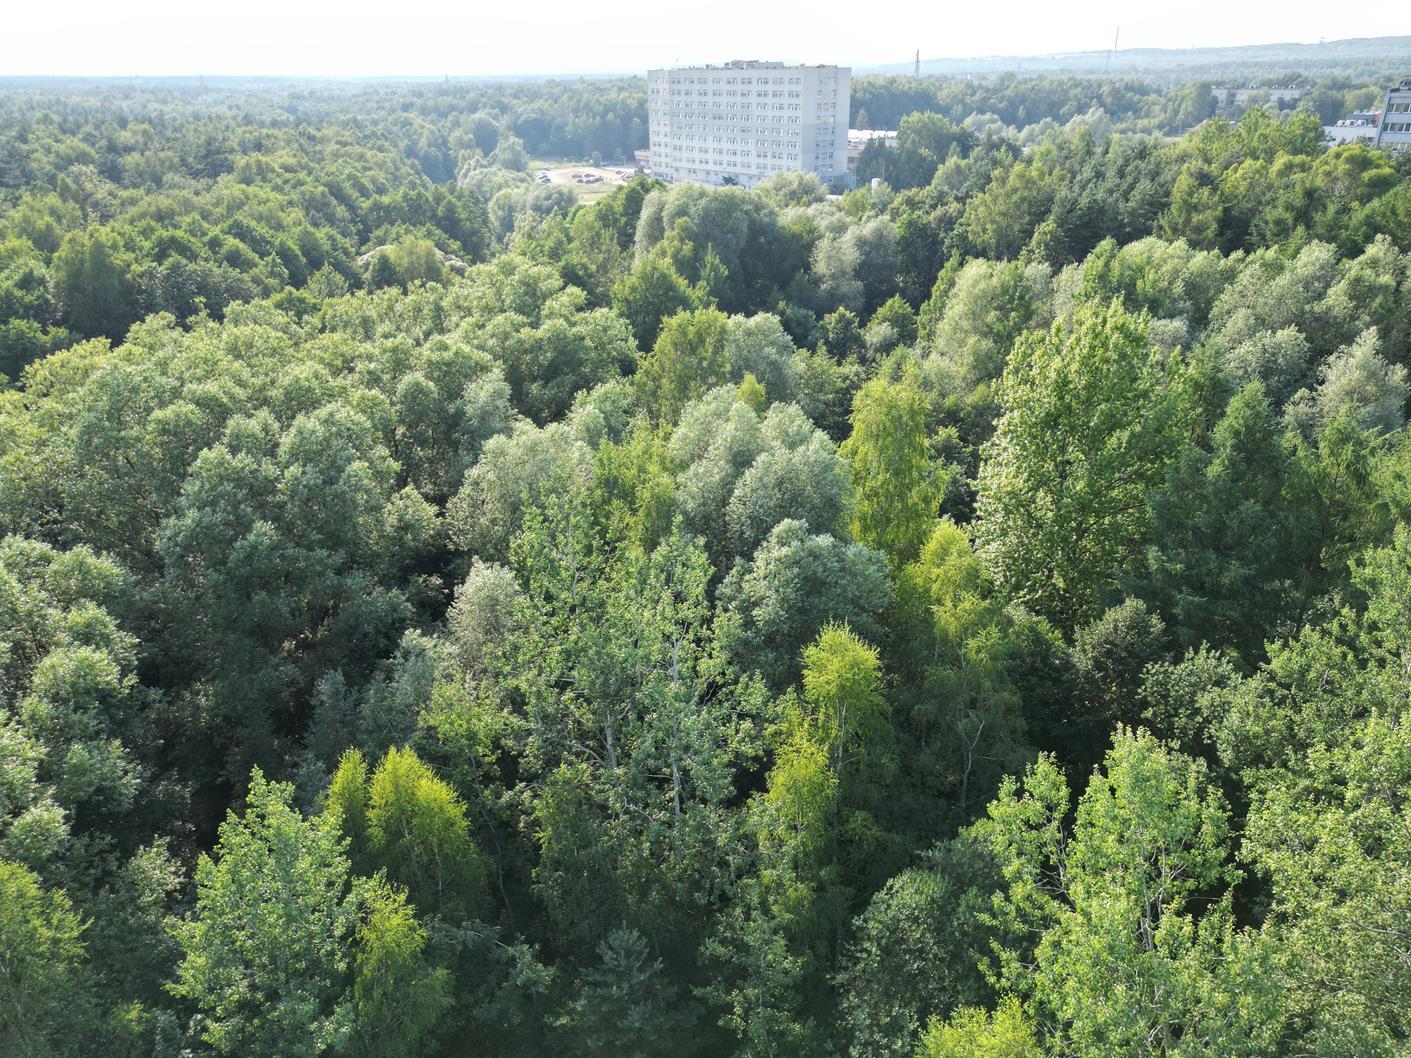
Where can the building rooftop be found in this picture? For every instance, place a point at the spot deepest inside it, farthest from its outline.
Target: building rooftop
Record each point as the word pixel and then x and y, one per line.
pixel 748 64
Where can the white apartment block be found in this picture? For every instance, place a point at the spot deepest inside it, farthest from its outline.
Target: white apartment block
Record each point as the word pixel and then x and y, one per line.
pixel 1395 131
pixel 741 122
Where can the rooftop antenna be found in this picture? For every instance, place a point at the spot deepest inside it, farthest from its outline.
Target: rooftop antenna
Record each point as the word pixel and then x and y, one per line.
pixel 1115 38
pixel 918 62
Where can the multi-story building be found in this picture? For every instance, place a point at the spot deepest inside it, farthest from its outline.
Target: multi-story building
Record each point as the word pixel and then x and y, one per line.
pixel 1394 133
pixel 1280 96
pixel 741 122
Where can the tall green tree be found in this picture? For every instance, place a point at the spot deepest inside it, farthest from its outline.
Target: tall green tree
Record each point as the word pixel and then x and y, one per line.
pixel 897 481
pixel 407 822
pixel 1229 533
pixel 1110 933
pixel 687 359
pixel 842 679
pixel 46 1009
pixel 398 999
pixel 266 950
pixel 626 1005
pixel 93 284
pixel 1092 418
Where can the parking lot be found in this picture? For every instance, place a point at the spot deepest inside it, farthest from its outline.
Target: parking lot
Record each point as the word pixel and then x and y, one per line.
pixel 589 181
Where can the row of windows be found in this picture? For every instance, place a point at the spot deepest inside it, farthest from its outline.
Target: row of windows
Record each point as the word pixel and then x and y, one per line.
pixel 1399 108
pixel 729 93
pixel 678 127
pixel 1397 126
pixel 719 122
pixel 732 135
pixel 726 152
pixel 717 107
pixel 706 166
pixel 718 129
pixel 782 150
pixel 716 104
pixel 682 119
pixel 757 144
pixel 734 80
pixel 677 137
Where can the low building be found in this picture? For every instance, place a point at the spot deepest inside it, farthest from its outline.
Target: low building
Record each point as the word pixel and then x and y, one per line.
pixel 1394 132
pixel 743 121
pixel 1232 97
pixel 860 138
pixel 1351 130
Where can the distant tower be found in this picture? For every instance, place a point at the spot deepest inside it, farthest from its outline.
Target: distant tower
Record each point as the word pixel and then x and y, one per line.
pixel 918 62
pixel 1115 38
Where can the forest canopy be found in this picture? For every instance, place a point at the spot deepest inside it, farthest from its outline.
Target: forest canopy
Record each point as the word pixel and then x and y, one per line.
pixel 963 616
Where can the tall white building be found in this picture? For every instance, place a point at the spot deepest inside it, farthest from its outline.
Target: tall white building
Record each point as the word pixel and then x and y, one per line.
pixel 1395 131
pixel 743 121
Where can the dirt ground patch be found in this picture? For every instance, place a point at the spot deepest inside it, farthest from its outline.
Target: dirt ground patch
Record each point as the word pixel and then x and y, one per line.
pixel 609 177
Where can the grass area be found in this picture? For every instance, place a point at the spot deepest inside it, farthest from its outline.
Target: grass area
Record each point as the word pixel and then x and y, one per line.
pixel 560 174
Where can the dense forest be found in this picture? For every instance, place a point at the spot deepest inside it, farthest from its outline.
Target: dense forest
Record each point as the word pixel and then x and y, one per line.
pixel 962 618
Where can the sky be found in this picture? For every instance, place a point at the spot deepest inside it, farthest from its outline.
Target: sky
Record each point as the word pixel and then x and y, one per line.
pixel 424 38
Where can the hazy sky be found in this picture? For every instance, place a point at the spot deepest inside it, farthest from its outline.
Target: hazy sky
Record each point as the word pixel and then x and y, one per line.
pixel 363 38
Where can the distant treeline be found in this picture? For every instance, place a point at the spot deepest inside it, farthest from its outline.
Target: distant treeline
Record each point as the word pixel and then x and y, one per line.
pixel 1360 58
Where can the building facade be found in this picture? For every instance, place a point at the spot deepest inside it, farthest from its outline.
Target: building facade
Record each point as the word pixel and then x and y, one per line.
pixel 1280 96
pixel 1394 133
pixel 858 139
pixel 741 122
pixel 1352 130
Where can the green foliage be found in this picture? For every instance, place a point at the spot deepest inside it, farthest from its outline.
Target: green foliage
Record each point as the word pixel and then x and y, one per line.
pixel 650 294
pixel 957 649
pixel 407 823
pixel 633 604
pixel 43 990
pixel 1331 839
pixel 1226 578
pixel 972 325
pixel 911 958
pixel 625 1005
pixel 972 1032
pixel 687 358
pixel 895 475
pixel 397 998
pixel 93 285
pixel 1126 959
pixel 795 584
pixel 842 679
pixel 266 949
pixel 1092 416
